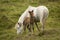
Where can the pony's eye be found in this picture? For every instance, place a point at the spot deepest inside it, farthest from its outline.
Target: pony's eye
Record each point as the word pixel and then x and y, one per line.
pixel 19 24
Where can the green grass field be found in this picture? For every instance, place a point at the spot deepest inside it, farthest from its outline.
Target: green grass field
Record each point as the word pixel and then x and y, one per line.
pixel 10 11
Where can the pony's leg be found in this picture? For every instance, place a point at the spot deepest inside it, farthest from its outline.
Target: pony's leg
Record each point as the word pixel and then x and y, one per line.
pixel 24 27
pixel 37 26
pixel 42 21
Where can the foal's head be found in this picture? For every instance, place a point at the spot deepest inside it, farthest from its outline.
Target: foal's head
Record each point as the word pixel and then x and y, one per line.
pixel 32 18
pixel 31 13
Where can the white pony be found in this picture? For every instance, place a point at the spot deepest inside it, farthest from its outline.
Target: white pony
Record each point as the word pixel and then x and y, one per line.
pixel 40 13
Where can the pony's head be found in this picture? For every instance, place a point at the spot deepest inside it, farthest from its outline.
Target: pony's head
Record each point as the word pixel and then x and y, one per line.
pixel 19 27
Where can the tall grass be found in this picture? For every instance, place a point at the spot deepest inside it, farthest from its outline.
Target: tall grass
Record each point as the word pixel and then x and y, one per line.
pixel 11 10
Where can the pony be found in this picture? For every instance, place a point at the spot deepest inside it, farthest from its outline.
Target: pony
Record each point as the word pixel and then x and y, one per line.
pixel 29 22
pixel 40 13
pixel 22 21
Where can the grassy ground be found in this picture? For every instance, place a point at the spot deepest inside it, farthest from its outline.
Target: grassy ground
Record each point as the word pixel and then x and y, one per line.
pixel 10 11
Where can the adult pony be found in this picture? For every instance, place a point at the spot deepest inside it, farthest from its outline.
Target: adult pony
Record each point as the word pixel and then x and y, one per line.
pixel 40 14
pixel 21 22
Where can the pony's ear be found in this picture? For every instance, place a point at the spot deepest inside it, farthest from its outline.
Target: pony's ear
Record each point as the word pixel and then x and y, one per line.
pixel 32 10
pixel 29 11
pixel 18 23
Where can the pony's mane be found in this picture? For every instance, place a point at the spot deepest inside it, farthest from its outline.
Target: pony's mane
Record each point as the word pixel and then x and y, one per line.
pixel 22 17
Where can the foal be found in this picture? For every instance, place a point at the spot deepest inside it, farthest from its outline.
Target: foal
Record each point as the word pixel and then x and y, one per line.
pixel 33 20
pixel 29 21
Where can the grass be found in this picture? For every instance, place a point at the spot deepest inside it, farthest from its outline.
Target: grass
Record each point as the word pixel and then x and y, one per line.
pixel 10 11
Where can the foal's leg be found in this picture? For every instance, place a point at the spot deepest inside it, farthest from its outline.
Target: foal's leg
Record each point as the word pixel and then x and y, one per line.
pixel 32 25
pixel 29 27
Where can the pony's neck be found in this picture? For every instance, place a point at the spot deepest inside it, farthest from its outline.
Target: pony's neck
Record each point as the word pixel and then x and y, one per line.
pixel 24 15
